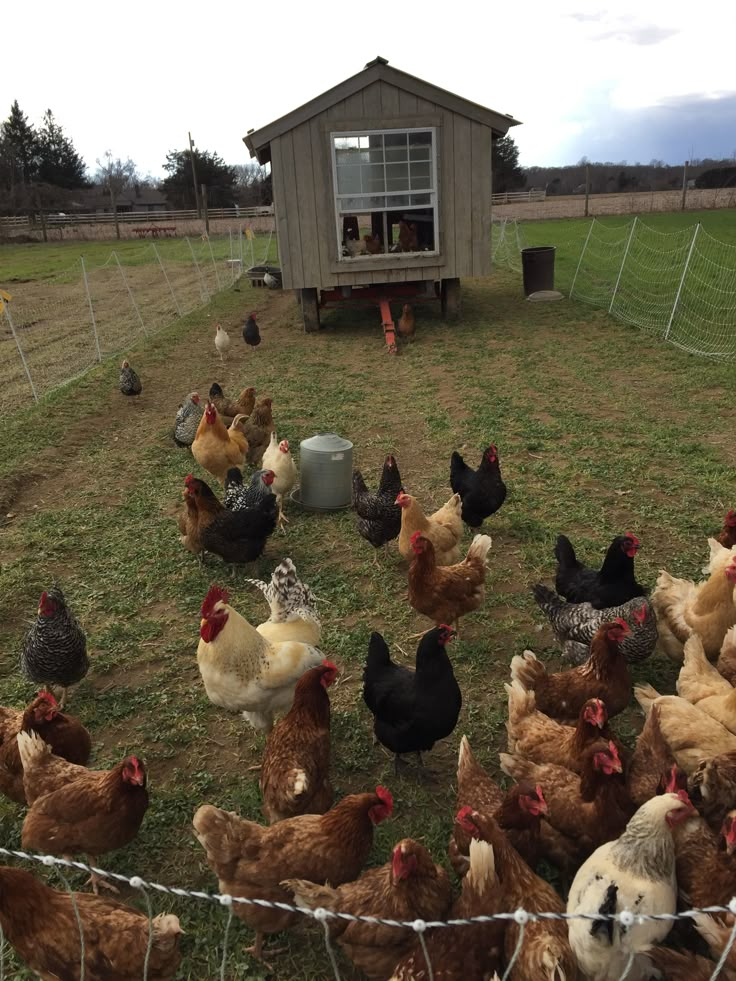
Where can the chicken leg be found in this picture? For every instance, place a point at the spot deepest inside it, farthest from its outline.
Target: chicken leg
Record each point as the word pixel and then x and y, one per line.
pixel 96 881
pixel 256 951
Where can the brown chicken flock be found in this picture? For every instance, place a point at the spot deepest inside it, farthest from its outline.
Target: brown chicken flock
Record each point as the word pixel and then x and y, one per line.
pixel 650 829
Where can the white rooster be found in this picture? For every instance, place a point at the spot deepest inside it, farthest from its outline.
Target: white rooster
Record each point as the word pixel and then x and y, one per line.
pixel 222 341
pixel 636 874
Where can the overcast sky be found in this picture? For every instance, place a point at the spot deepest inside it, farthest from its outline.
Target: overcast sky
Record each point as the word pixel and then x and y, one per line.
pixel 652 80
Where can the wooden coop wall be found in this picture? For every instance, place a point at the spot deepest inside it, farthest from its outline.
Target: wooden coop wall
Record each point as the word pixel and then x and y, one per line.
pixel 305 207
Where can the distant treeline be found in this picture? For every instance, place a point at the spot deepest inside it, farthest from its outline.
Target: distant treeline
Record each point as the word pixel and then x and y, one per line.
pixel 616 177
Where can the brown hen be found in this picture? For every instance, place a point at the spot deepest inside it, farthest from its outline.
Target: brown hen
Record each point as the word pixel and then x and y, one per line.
pixel 445 593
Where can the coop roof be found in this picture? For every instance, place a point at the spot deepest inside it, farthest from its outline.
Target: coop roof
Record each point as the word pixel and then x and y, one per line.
pixel 258 141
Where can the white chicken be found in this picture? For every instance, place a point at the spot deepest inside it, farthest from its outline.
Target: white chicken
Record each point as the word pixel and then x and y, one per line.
pixel 242 670
pixel 279 459
pixel 222 341
pixel 634 874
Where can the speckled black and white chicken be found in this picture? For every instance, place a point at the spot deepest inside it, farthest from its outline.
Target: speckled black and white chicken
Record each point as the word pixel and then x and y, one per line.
pixel 575 625
pixel 130 383
pixel 294 614
pixel 55 648
pixel 188 417
pixel 238 497
pixel 378 514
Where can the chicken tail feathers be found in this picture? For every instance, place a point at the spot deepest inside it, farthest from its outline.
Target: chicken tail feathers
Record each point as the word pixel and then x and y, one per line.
pixel 310 895
pixel 479 549
pixel 458 468
pixel 286 593
pixel 32 749
pixel 217 833
pixel 547 599
pixel 467 765
pixel 714 931
pixel 646 697
pixel 522 703
pixel 359 485
pixel 527 669
pixel 565 553
pixel 516 766
pixel 379 655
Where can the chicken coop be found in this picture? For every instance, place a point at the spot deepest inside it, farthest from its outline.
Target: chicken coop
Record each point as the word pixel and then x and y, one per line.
pixel 381 190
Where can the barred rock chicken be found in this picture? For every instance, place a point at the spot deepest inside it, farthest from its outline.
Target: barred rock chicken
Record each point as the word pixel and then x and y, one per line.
pixel 541 739
pixel 258 428
pixel 446 593
pixel 444 528
pixel 293 605
pixel 228 408
pixel 462 953
pixel 636 873
pixel 73 809
pixel 222 341
pixel 242 670
pixel 55 648
pixel 295 774
pixel 188 417
pixel 545 953
pixel 250 860
pixel 378 515
pixel 406 888
pixel 518 810
pixel 41 924
pixel 727 534
pixel 217 448
pixel 236 536
pixel 412 710
pixel 482 491
pixel 279 459
pixel 66 736
pixel 575 624
pixel 706 608
pixel 604 675
pixel 251 333
pixel 612 585
pixel 130 383
pixel 701 684
pixel 238 497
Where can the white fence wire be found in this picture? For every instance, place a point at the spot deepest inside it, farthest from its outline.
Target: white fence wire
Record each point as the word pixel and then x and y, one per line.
pixel 722 968
pixel 53 330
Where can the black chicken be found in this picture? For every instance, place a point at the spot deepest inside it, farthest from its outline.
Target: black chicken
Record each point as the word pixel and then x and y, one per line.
pixel 238 497
pixel 236 536
pixel 482 491
pixel 612 585
pixel 251 334
pixel 378 515
pixel 412 709
pixel 55 648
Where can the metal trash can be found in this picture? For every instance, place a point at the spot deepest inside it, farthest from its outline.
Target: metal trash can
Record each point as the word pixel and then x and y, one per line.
pixel 538 268
pixel 326 472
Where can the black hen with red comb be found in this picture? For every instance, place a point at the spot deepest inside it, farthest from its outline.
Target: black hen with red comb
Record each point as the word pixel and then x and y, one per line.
pixel 482 491
pixel 611 585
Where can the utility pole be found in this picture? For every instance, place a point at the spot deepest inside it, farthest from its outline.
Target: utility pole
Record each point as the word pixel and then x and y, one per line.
pixel 684 184
pixel 587 187
pixel 194 178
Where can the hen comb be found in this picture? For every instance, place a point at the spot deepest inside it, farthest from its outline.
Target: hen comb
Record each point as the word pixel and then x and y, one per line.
pixel 213 597
pixel 47 697
pixel 632 536
pixel 384 795
pixel 684 797
pixel 464 818
pixel 540 795
pixel 416 536
pixel 731 519
pixel 613 751
pixel 620 622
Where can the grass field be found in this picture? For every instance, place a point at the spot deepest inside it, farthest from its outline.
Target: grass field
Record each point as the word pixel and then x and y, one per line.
pixel 600 429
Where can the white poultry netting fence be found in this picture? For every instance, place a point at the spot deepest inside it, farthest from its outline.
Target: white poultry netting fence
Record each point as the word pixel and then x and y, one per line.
pixel 680 285
pixel 53 330
pixel 722 968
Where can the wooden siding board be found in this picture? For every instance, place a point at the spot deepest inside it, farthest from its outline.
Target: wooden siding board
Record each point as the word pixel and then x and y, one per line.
pixel 446 192
pixel 354 105
pixel 463 197
pixel 481 201
pixel 372 100
pixel 291 204
pixel 282 223
pixel 324 202
pixel 407 102
pixel 389 99
pixel 305 192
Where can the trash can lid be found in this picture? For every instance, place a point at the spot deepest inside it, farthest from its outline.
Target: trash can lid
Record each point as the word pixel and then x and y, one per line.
pixel 327 443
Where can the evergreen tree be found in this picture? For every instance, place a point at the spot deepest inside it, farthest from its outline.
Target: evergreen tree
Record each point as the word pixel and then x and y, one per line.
pixel 219 178
pixel 507 174
pixel 59 163
pixel 19 149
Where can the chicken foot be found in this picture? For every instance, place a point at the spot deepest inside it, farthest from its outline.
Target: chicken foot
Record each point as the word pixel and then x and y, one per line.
pixel 96 881
pixel 422 774
pixel 256 951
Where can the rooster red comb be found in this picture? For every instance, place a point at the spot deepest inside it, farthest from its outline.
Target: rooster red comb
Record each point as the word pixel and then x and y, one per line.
pixel 634 540
pixel 215 595
pixel 385 796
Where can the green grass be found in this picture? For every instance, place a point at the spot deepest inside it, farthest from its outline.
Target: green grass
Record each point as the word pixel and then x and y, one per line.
pixel 600 429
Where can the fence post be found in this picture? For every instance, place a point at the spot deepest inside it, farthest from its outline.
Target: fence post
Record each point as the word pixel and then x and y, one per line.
pixel 202 285
pixel 580 260
pixel 168 281
pixel 214 264
pixel 682 281
pixel 6 308
pixel 130 294
pixel 623 261
pixel 91 308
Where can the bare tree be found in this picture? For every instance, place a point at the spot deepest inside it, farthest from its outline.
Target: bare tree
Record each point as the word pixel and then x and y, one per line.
pixel 116 176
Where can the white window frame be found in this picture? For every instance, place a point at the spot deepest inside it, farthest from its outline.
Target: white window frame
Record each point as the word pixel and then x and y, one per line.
pixel 433 193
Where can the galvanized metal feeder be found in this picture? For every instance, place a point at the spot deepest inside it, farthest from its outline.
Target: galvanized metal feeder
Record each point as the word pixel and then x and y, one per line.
pixel 326 471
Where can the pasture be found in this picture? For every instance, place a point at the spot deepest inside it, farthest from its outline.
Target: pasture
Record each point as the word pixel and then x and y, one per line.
pixel 600 429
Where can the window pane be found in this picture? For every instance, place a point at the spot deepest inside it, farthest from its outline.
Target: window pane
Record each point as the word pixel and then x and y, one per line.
pixel 421 177
pixel 348 180
pixel 362 203
pixel 419 152
pixel 397 177
pixel 395 139
pixel 396 154
pixel 372 178
pixel 420 139
pixel 421 199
